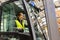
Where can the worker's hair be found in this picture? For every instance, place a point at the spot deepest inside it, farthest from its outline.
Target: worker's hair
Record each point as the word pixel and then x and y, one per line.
pixel 27 0
pixel 19 13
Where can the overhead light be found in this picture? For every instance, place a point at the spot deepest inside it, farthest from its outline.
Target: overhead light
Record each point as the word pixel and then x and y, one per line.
pixel 1 1
pixel 55 0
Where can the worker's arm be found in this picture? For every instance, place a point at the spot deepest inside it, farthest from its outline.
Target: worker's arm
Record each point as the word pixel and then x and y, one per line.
pixel 25 23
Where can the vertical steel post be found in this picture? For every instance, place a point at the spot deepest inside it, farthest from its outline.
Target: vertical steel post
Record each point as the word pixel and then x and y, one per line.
pixel 31 27
pixel 51 20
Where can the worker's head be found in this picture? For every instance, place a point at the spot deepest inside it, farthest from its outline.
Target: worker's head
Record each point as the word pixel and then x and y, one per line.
pixel 20 16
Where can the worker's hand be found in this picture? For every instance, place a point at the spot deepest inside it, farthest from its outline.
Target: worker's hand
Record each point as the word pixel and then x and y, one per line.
pixel 20 30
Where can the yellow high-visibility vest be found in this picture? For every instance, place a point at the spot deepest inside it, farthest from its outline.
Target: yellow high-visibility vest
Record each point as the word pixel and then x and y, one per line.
pixel 19 25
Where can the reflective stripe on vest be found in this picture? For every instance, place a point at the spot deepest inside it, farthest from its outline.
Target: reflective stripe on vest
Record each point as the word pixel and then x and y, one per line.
pixel 19 25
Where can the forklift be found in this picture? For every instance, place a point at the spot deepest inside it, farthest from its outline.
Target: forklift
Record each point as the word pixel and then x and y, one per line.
pixel 35 28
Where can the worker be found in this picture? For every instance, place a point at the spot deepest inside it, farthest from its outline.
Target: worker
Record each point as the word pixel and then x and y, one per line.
pixel 20 22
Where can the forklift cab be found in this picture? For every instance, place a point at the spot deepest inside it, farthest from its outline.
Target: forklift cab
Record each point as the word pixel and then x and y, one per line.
pixel 8 31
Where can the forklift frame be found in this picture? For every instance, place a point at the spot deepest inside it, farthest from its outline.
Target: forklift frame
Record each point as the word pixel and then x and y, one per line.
pixel 51 20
